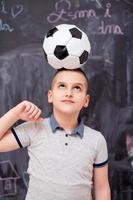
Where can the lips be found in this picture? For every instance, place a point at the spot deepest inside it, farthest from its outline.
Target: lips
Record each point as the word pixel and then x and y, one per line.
pixel 67 101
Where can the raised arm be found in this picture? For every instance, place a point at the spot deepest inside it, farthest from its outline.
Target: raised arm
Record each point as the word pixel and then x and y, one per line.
pixel 26 111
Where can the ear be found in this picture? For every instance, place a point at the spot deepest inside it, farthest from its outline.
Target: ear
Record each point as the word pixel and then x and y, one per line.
pixel 87 100
pixel 50 99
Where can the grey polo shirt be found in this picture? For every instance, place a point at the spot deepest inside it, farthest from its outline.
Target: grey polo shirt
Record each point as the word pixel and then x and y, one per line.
pixel 61 164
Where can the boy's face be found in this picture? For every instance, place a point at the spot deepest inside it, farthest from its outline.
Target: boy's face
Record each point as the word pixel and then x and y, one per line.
pixel 68 93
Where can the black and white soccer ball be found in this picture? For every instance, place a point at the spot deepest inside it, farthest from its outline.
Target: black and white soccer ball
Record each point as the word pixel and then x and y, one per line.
pixel 66 46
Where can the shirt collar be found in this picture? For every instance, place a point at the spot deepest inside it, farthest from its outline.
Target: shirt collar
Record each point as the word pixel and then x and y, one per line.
pixel 78 130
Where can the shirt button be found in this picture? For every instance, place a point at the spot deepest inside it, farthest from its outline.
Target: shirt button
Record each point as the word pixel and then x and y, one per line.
pixel 66 144
pixel 66 135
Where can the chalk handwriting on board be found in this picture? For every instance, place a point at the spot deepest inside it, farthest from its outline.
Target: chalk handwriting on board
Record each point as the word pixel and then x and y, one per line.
pixel 9 177
pixel 109 29
pixel 107 12
pixel 5 27
pixel 14 11
pixel 63 12
pixel 98 3
pixel 3 10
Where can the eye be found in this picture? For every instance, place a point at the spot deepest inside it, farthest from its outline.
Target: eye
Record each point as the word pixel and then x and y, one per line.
pixel 77 88
pixel 61 86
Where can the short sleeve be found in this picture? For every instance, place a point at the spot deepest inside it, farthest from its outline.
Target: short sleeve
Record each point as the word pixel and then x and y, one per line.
pixel 101 158
pixel 24 133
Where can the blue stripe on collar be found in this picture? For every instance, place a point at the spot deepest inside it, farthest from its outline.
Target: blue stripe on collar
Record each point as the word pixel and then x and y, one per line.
pixel 78 130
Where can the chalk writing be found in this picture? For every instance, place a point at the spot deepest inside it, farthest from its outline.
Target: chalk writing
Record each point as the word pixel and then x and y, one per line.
pixel 98 3
pixel 3 10
pixel 66 14
pixel 7 185
pixel 107 14
pixel 5 27
pixel 109 29
pixel 85 13
pixel 62 4
pixel 8 179
pixel 55 17
pixel 14 11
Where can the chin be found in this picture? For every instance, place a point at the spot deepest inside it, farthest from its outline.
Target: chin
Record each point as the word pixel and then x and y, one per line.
pixel 68 111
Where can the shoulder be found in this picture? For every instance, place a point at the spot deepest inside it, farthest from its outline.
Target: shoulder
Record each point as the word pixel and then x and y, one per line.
pixel 98 144
pixel 93 135
pixel 90 131
pixel 30 125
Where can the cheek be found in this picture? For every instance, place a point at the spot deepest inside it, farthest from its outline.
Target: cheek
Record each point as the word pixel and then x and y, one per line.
pixel 81 100
pixel 54 97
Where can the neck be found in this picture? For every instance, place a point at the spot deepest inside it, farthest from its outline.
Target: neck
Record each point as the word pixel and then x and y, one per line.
pixel 67 121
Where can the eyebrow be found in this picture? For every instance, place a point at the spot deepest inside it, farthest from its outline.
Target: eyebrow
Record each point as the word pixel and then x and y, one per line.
pixel 63 82
pixel 80 84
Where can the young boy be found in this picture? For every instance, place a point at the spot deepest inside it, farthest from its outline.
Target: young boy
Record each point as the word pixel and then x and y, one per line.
pixel 67 158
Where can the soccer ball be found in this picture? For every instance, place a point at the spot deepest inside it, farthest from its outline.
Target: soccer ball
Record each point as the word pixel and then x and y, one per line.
pixel 66 46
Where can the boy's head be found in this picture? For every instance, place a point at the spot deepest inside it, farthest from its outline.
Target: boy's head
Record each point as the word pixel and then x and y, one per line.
pixel 69 91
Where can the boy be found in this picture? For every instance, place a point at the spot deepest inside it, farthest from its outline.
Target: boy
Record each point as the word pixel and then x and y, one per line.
pixel 66 157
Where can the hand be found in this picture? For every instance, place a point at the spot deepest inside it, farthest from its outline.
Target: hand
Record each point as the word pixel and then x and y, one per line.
pixel 27 111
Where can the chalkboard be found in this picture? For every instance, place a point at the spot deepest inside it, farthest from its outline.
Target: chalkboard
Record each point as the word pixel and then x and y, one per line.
pixel 25 74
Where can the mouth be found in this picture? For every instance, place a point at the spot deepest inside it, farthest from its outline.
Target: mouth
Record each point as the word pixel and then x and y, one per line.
pixel 67 101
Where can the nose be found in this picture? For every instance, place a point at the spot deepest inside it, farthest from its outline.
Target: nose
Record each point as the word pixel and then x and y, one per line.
pixel 69 92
